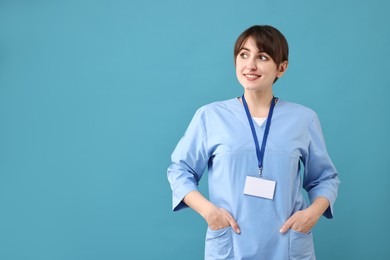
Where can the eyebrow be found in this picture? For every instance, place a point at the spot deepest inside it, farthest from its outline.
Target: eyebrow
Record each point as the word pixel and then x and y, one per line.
pixel 243 48
pixel 246 49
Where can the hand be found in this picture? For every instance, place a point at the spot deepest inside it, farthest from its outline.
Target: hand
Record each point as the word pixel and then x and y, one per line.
pixel 215 217
pixel 218 218
pixel 302 221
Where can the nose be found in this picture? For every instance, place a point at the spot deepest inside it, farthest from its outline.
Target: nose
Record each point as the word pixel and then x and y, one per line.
pixel 252 64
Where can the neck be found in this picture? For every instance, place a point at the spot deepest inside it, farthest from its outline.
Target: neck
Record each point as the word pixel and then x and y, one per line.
pixel 258 102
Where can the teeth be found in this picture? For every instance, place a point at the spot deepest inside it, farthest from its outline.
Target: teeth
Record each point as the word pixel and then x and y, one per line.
pixel 251 76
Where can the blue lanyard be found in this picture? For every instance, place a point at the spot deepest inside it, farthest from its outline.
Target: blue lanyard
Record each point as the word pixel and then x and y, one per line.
pixel 260 152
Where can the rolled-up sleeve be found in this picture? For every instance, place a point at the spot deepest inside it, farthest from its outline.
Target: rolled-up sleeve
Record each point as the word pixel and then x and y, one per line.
pixel 189 160
pixel 320 175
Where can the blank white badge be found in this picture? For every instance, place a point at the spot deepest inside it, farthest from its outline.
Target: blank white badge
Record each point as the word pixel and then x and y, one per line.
pixel 259 187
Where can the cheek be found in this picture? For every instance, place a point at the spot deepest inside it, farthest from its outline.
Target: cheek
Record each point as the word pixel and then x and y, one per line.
pixel 240 66
pixel 238 71
pixel 236 66
pixel 238 74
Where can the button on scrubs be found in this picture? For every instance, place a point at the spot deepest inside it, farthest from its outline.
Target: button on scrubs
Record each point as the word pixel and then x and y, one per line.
pixel 219 137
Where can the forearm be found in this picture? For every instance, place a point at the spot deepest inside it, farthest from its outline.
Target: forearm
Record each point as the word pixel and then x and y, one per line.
pixel 198 202
pixel 319 206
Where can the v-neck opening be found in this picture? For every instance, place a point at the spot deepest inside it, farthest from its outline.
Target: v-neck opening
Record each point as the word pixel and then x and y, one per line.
pixel 262 126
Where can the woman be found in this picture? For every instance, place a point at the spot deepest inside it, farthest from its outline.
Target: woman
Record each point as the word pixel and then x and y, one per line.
pixel 253 147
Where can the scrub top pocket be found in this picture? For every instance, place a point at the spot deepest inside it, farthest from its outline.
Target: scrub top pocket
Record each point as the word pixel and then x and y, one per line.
pixel 219 244
pixel 301 246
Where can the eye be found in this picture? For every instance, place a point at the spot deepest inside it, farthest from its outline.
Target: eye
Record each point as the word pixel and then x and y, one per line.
pixel 244 55
pixel 263 57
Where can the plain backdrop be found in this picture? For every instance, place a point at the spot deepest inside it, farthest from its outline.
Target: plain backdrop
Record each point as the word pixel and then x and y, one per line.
pixel 95 95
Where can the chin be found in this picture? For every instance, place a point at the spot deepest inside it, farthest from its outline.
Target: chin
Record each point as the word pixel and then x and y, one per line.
pixel 251 88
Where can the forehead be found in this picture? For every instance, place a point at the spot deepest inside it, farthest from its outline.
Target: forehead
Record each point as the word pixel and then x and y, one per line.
pixel 250 45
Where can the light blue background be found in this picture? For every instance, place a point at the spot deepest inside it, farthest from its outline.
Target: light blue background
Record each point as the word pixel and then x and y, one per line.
pixel 94 96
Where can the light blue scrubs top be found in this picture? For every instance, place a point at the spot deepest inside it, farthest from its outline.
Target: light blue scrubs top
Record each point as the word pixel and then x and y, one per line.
pixel 219 137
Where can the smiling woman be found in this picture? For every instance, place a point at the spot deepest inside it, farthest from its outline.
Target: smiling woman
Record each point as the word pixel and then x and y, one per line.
pixel 256 209
pixel 256 70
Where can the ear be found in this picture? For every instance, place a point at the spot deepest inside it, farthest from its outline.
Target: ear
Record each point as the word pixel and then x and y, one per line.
pixel 282 68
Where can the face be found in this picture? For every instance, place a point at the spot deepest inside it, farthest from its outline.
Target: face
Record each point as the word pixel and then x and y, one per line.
pixel 257 70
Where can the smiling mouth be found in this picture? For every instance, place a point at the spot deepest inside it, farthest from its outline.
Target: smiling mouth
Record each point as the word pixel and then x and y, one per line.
pixel 252 76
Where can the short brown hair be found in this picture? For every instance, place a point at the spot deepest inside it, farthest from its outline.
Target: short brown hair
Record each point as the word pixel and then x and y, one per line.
pixel 268 39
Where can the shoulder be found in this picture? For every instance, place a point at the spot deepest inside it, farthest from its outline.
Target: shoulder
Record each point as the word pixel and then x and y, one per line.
pixel 296 109
pixel 216 113
pixel 218 107
pixel 297 115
